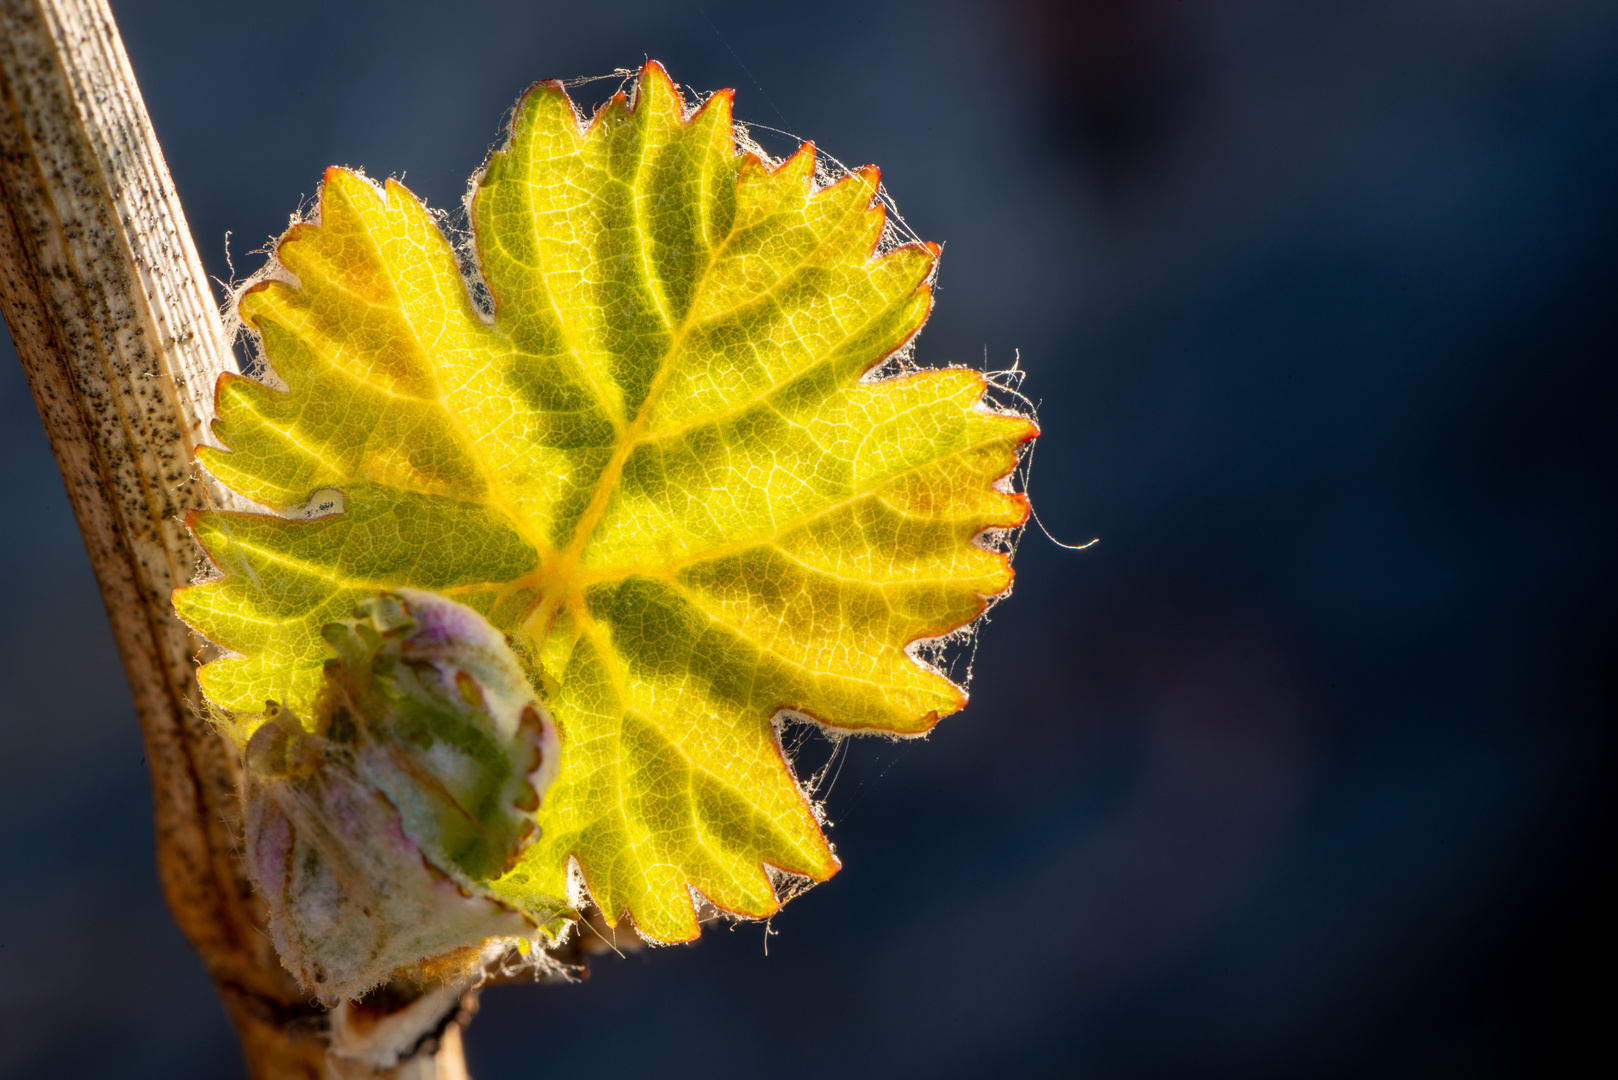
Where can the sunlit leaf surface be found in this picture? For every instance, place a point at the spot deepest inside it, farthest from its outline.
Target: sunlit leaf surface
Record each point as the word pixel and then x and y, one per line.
pixel 657 469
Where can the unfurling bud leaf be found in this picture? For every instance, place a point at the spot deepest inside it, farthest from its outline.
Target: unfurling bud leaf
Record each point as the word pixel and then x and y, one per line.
pixel 373 835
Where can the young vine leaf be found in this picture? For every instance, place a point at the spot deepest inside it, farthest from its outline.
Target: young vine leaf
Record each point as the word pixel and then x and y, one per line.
pixel 656 468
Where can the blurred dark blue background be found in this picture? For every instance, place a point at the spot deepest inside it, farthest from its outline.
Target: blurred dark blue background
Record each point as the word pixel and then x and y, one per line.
pixel 1302 771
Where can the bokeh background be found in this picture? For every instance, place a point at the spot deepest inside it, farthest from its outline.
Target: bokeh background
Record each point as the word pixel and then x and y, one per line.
pixel 1301 771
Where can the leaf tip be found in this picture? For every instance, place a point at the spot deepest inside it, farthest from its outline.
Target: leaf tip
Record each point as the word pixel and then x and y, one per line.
pixel 653 75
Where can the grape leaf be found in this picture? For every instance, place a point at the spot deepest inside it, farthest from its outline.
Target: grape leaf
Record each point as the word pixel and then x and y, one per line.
pixel 656 467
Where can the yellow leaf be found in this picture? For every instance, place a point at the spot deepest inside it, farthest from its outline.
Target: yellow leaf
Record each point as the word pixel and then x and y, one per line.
pixel 657 469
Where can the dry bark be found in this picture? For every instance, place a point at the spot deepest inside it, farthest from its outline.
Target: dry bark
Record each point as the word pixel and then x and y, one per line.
pixel 110 311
